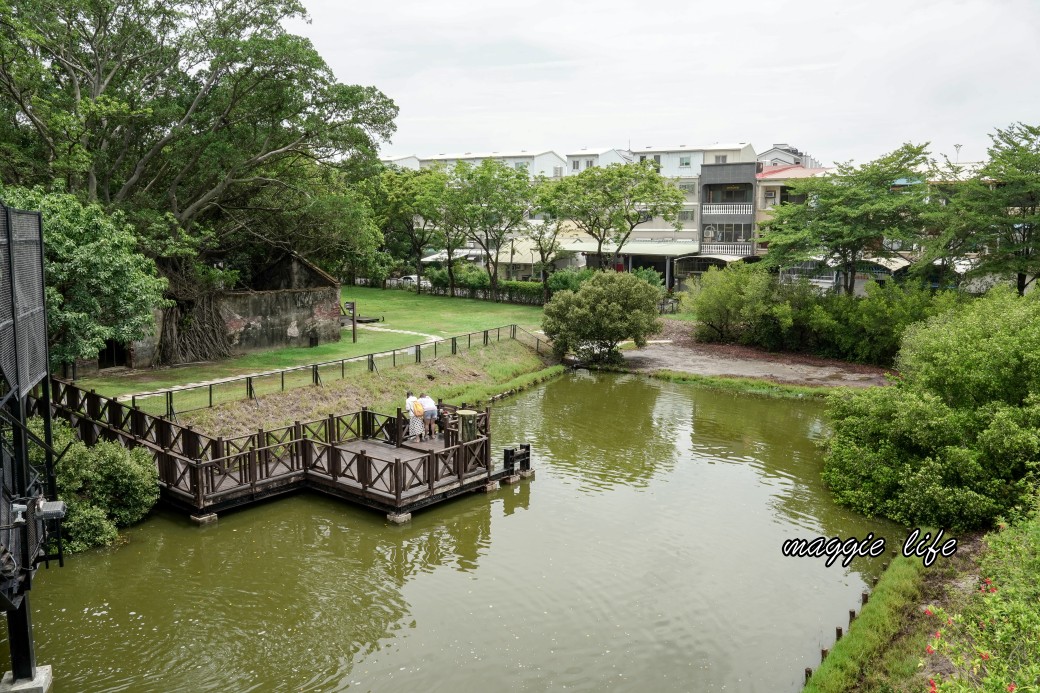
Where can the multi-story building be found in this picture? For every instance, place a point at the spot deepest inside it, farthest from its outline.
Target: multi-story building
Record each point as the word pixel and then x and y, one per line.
pixel 585 158
pixel 537 163
pixel 786 155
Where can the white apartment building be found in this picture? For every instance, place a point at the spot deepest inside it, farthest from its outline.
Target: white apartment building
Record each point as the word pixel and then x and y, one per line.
pixel 584 158
pixel 785 155
pixel 537 163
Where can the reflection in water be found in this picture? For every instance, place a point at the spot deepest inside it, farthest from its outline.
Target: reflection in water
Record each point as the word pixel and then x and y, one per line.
pixel 646 556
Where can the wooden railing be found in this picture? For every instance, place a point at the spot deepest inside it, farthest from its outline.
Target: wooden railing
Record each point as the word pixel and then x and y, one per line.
pixel 202 471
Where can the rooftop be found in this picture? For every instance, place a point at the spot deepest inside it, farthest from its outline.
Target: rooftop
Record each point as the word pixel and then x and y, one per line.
pixel 718 146
pixel 791 171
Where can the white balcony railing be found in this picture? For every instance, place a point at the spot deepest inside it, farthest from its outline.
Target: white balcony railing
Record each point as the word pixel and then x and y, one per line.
pixel 746 208
pixel 740 249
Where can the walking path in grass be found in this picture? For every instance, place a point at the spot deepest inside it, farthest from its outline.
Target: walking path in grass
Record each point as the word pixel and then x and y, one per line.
pixel 374 328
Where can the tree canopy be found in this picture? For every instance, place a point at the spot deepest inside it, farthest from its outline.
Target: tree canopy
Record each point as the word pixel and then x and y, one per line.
pixel 607 309
pixel 98 286
pixel 609 202
pixel 857 212
pixel 214 130
pixel 993 212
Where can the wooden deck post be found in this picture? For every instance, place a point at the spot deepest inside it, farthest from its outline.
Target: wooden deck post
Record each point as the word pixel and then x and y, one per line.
pixel 297 434
pixel 431 470
pixel 366 426
pixel 362 470
pixel 398 481
pixel 399 429
pixel 330 430
pixel 252 469
pixel 335 462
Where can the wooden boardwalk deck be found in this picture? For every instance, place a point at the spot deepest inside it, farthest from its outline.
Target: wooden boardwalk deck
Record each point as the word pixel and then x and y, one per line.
pixel 362 457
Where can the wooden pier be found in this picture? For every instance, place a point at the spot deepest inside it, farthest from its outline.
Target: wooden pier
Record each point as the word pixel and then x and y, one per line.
pixel 362 457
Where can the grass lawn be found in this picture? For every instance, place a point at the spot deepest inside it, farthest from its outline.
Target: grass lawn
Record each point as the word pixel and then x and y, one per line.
pixel 438 315
pixel 402 310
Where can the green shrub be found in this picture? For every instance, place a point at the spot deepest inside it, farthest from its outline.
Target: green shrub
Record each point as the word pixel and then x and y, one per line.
pixel 520 292
pixel 105 487
pixel 569 279
pixel 651 277
pixel 956 442
pixel 729 302
pixel 994 639
pixel 609 308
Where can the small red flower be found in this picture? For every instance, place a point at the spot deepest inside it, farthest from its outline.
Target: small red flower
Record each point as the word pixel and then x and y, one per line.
pixel 992 589
pixel 929 649
pixel 985 655
pixel 1012 686
pixel 949 621
pixel 927 612
pixel 988 581
pixel 938 634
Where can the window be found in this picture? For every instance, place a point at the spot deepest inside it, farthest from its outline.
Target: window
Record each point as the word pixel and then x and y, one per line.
pixel 684 161
pixel 657 159
pixel 588 163
pixel 727 233
pixel 642 157
pixel 686 215
pixel 557 171
pixel 520 165
pixel 575 165
pixel 720 158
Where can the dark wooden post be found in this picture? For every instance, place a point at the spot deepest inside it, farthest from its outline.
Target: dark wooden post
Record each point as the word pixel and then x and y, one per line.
pixel 398 481
pixel 487 340
pixel 363 470
pixel 297 435
pixel 335 462
pixel 418 353
pixel 371 362
pixel 366 431
pixel 196 486
pixel 330 430
pixel 190 441
pixel 252 468
pixel 308 453
pixel 454 346
pixel 431 470
pixel 399 428
pixel 162 439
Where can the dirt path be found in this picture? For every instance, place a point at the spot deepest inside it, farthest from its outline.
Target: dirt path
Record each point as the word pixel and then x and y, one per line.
pixel 685 355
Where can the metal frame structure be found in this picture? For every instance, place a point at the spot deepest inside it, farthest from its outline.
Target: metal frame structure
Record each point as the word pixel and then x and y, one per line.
pixel 30 513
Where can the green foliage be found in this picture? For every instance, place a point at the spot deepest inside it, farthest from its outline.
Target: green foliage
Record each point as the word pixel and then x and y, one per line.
pixel 988 351
pixel 729 302
pixel 608 309
pixel 745 303
pixel 489 203
pixel 995 208
pixel 851 214
pixel 609 202
pixel 993 639
pixel 106 487
pixel 98 286
pixel 569 279
pixel 651 277
pixel 957 441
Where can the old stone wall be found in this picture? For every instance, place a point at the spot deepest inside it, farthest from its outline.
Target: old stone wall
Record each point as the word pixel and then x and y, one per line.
pixel 264 319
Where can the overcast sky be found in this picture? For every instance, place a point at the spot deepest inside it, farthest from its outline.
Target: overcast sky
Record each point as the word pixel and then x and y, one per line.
pixel 839 79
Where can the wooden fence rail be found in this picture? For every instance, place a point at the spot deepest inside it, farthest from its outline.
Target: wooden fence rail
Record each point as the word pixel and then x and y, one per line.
pixel 205 473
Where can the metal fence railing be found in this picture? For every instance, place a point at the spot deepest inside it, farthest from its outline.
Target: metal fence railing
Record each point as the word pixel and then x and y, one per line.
pixel 170 401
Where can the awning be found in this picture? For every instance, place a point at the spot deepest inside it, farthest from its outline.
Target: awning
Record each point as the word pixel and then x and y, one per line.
pixel 653 248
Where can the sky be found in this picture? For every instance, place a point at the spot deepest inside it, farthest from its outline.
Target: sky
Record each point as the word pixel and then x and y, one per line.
pixel 839 79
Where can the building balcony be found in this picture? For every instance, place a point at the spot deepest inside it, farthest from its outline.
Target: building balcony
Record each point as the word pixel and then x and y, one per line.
pixel 739 249
pixel 740 208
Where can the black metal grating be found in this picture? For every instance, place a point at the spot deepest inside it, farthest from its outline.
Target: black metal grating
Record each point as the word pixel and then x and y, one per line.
pixel 23 362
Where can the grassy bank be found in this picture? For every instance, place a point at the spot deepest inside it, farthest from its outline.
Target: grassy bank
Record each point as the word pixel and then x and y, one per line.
pixel 882 650
pixel 437 316
pixel 473 375
pixel 747 386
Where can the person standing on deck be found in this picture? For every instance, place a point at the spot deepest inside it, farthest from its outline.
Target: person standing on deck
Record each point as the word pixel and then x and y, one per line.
pixel 429 414
pixel 415 416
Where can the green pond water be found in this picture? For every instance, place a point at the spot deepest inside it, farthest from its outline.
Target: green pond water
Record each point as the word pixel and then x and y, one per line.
pixel 645 556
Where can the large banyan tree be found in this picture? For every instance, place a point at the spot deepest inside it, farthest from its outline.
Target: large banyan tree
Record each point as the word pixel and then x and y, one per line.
pixel 219 134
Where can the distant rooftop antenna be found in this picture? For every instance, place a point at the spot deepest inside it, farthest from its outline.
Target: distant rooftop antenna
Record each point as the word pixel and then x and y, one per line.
pixel 957 160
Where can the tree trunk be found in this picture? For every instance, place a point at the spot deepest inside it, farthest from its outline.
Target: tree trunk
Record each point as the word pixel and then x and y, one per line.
pixel 451 274
pixel 1022 283
pixel 418 272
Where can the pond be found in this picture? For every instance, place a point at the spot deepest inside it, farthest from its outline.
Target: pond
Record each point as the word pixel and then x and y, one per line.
pixel 644 556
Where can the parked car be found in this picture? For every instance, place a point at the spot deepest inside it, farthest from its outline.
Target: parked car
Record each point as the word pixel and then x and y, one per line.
pixel 411 279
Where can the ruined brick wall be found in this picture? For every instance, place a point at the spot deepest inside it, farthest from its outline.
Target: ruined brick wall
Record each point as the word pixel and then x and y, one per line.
pixel 264 319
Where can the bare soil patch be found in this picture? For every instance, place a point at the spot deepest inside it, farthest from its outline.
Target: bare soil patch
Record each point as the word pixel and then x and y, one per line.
pixel 687 355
